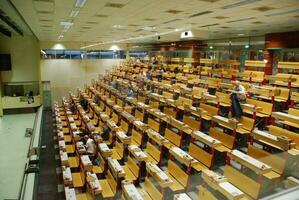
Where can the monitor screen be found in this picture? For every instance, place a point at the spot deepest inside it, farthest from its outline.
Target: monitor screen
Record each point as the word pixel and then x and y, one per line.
pixel 5 62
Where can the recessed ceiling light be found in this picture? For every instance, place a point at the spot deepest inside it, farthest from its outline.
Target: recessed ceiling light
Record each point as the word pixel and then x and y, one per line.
pixel 246 46
pixel 211 47
pixel 80 3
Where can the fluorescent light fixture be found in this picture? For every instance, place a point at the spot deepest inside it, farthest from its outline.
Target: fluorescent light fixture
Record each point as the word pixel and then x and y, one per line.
pixel 80 3
pixel 149 28
pixel 66 23
pixel 74 13
pixel 186 34
pixel 240 3
pixel 60 36
pixel 119 26
pixel 154 35
pixel 241 34
pixel 246 46
pixel 43 52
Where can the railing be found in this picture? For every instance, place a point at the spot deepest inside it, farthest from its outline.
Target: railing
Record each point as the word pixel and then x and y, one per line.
pixel 28 189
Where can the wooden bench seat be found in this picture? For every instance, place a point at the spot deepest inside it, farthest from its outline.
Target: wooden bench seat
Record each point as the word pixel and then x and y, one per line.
pixel 243 182
pixel 227 140
pixel 136 138
pixel 70 148
pixel 131 169
pixel 154 125
pixel 266 108
pixel 201 155
pixel 109 186
pixel 211 111
pixel 117 151
pixel 78 179
pixel 192 123
pixel 151 190
pixel 277 163
pixel 247 125
pixel 73 162
pixel 153 153
pixel 173 137
pixel 178 176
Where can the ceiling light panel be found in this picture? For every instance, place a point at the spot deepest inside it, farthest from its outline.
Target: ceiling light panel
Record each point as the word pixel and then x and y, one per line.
pixel 115 5
pixel 80 3
pixel 239 3
pixel 201 13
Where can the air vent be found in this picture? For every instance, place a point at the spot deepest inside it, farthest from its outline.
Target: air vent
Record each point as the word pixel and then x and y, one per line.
pixel 263 8
pixel 221 17
pixel 5 31
pixel 115 5
pixel 171 21
pixel 44 12
pixel 209 25
pixel 240 3
pixel 45 20
pixel 240 20
pixel 10 22
pixel 210 1
pixel 200 14
pixel 47 26
pixel 173 11
pixel 257 22
pixel 282 13
pixel 101 16
pixel 150 19
pixel 91 22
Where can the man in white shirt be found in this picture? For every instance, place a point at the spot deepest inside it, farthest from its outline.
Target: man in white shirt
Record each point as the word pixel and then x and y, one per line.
pixel 90 146
pixel 240 90
pixel 239 95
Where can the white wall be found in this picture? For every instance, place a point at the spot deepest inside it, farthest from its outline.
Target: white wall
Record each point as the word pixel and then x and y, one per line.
pixel 66 75
pixel 24 58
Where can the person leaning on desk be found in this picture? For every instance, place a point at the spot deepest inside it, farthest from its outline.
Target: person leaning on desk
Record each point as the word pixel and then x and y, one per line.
pixel 238 96
pixel 90 147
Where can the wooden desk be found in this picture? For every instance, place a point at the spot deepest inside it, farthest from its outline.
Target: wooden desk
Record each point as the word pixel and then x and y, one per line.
pixel 87 165
pixel 67 176
pixel 206 139
pixel 280 143
pixel 286 117
pixel 130 191
pixel 183 156
pixel 121 135
pixel 228 123
pixel 221 184
pixel 181 196
pixel 93 183
pixel 137 153
pixel 70 193
pixel 116 168
pixel 104 149
pixel 158 174
pixel 159 139
pixel 248 161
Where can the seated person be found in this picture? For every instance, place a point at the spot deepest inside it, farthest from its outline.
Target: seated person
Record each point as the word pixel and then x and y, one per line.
pixel 130 91
pixel 90 147
pixel 106 132
pixel 237 97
